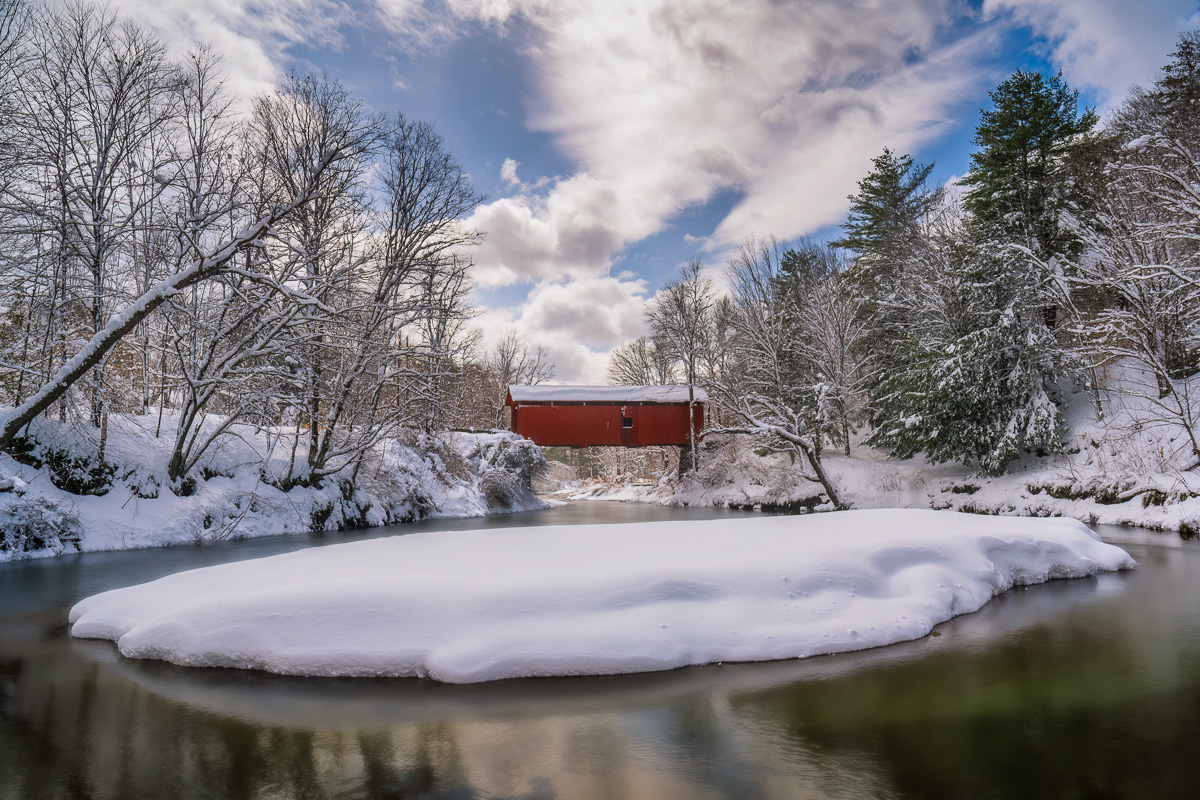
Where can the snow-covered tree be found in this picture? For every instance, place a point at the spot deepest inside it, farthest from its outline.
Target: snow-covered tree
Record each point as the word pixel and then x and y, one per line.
pixel 511 361
pixel 679 318
pixel 888 211
pixel 324 147
pixel 641 362
pixel 98 98
pixel 774 390
pixel 1135 294
pixel 975 368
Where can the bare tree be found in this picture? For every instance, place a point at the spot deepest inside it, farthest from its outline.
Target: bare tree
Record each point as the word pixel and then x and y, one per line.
pixel 772 394
pixel 679 321
pixel 101 91
pixel 445 340
pixel 641 363
pixel 304 263
pixel 509 362
pixel 427 195
pixel 332 140
pixel 1142 260
pixel 14 28
pixel 831 329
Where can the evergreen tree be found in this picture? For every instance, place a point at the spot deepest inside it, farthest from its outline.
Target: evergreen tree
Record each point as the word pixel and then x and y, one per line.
pixel 1031 147
pixel 975 367
pixel 1177 92
pixel 886 228
pixel 886 213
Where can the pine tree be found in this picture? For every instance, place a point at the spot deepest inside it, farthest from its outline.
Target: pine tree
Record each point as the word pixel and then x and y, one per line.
pixel 1031 146
pixel 886 213
pixel 886 229
pixel 1177 92
pixel 975 366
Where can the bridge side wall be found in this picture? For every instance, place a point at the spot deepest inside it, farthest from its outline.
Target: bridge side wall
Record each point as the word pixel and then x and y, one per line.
pixel 600 425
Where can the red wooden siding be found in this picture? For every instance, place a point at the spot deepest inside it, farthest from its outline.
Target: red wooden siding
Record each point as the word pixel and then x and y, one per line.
pixel 577 425
pixel 665 424
pixel 569 426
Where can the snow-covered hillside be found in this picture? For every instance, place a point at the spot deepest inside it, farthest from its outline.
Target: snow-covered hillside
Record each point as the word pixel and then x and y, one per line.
pixel 58 498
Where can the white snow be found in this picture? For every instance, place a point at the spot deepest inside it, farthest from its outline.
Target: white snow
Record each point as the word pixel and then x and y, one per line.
pixel 580 600
pixel 449 477
pixel 605 394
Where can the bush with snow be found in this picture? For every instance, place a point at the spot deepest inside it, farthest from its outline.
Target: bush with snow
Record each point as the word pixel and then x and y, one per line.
pixel 234 492
pixel 507 465
pixel 36 525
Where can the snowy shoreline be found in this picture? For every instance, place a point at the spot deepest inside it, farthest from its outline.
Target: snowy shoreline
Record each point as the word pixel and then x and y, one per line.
pixel 233 495
pixel 868 480
pixel 466 607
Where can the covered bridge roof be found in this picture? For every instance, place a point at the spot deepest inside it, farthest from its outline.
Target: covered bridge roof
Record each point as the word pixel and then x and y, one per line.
pixel 602 394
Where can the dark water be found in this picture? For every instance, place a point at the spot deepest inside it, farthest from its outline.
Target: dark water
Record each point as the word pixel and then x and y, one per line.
pixel 1074 689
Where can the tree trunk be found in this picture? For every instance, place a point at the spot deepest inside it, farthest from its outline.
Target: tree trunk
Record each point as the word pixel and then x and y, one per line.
pixel 692 425
pixel 814 461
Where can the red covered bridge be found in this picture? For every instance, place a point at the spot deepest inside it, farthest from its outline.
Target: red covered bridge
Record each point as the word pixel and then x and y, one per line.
pixel 604 416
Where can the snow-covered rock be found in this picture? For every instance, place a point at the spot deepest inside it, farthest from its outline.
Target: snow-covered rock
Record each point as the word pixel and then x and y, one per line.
pixel 579 600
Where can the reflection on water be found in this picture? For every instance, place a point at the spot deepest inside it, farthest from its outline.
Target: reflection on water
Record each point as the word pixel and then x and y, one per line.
pixel 1087 688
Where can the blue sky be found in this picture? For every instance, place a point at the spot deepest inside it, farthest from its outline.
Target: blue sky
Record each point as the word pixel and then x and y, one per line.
pixel 615 139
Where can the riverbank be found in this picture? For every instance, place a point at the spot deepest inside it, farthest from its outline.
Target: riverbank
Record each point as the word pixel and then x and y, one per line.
pixel 1132 464
pixel 1077 485
pixel 56 496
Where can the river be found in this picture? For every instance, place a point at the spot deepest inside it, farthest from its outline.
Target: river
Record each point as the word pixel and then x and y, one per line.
pixel 1080 688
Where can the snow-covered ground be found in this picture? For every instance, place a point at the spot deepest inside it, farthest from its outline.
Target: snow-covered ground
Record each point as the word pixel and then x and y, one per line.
pixel 1130 469
pixel 233 495
pixel 475 606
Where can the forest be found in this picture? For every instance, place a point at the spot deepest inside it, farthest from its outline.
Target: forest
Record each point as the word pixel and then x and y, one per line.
pixel 961 322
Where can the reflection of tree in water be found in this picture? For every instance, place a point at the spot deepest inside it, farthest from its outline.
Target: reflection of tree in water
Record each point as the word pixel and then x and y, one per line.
pixel 83 731
pixel 433 769
pixel 708 751
pixel 79 732
pixel 1049 713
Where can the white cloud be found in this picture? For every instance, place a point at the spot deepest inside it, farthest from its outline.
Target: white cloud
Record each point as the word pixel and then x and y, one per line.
pixel 953 189
pixel 665 103
pixel 1103 44
pixel 253 38
pixel 577 322
pixel 571 230
pixel 508 172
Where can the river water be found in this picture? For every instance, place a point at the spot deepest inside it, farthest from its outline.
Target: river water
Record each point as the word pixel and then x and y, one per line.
pixel 1086 688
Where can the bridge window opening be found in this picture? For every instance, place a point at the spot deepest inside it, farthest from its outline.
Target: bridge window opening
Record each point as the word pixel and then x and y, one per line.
pixel 626 422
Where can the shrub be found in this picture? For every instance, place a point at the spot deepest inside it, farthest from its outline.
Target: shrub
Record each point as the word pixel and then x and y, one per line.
pixel 30 525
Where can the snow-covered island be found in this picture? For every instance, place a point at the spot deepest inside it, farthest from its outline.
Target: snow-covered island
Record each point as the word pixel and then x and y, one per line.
pixel 477 606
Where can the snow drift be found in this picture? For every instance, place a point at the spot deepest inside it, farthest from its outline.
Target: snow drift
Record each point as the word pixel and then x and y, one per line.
pixel 599 599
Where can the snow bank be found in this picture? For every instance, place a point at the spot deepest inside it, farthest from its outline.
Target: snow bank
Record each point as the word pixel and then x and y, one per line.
pixel 597 599
pixel 235 491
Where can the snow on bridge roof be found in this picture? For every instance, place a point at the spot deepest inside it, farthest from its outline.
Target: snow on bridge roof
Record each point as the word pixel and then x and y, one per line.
pixel 603 394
